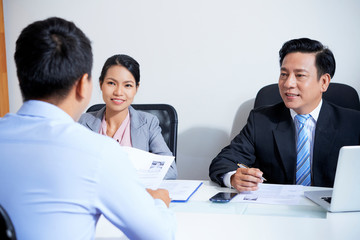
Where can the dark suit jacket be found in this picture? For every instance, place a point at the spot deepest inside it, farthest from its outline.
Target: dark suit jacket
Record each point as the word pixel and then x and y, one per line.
pixel 267 142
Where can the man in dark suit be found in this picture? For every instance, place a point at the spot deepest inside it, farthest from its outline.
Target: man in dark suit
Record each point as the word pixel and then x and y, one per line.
pixel 274 141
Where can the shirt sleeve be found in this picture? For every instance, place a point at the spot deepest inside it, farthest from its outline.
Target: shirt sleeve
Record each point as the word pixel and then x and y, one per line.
pixel 227 178
pixel 126 203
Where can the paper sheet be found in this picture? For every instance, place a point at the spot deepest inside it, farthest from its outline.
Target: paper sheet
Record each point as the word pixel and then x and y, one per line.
pixel 272 194
pixel 150 168
pixel 180 190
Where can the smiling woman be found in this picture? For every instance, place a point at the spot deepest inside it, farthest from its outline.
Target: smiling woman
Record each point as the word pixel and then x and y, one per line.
pixel 119 82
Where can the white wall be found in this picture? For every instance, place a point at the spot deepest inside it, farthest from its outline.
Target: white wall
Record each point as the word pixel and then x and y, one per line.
pixel 206 58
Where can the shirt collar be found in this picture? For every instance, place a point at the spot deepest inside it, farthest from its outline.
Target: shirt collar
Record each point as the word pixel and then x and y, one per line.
pixel 314 114
pixel 43 109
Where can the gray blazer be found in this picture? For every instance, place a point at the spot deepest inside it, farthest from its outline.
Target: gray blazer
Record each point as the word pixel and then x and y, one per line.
pixel 144 130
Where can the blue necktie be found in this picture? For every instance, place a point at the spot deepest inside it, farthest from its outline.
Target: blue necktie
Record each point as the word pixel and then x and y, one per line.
pixel 303 176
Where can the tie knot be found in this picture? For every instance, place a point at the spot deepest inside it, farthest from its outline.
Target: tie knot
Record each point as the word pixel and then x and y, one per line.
pixel 302 118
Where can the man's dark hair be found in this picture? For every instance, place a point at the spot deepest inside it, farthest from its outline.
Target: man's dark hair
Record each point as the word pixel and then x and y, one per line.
pixel 324 58
pixel 50 56
pixel 121 60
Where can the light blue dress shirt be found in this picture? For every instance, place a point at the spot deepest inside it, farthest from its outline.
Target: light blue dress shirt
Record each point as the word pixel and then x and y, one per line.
pixel 57 178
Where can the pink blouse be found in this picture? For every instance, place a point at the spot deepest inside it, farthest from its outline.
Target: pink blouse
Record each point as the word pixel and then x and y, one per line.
pixel 122 135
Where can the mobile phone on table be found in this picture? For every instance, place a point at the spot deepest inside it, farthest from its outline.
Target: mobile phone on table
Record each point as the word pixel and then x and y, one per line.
pixel 223 197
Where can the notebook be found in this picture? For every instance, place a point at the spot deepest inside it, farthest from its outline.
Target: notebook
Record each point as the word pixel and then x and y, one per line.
pixel 345 195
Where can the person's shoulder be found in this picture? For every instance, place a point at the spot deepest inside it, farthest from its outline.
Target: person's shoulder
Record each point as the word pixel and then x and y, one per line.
pixel 341 111
pixel 90 116
pixel 95 144
pixel 329 106
pixel 87 135
pixel 86 117
pixel 142 115
pixel 8 123
pixel 274 109
pixel 100 153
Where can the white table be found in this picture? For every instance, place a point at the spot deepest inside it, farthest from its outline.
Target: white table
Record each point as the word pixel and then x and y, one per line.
pixel 201 219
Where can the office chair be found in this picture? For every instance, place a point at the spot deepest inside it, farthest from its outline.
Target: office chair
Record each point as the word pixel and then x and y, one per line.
pixel 7 230
pixel 338 93
pixel 167 116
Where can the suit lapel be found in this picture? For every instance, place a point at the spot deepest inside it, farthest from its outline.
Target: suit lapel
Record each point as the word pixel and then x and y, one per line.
pixel 325 134
pixel 285 143
pixel 94 123
pixel 136 125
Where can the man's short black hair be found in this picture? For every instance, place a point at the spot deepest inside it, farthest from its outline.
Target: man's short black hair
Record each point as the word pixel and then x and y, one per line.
pixel 324 61
pixel 50 56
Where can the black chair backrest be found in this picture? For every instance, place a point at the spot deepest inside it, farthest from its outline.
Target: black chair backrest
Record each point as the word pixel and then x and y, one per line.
pixel 338 93
pixel 167 116
pixel 7 230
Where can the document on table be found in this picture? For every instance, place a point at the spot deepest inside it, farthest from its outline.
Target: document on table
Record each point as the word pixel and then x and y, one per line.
pixel 181 190
pixel 272 194
pixel 150 168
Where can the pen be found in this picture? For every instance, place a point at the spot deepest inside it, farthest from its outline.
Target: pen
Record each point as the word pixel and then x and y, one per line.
pixel 241 165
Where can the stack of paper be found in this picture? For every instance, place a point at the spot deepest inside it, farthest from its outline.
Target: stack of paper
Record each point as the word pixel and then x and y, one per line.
pixel 180 190
pixel 151 168
pixel 272 194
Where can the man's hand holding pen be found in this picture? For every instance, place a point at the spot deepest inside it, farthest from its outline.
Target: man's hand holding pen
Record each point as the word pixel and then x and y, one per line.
pixel 246 179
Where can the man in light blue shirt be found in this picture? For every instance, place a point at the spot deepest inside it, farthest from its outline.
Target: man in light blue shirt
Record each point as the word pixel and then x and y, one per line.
pixel 56 177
